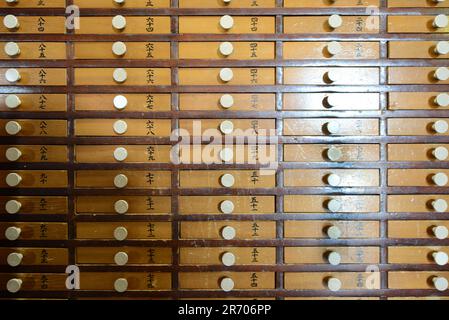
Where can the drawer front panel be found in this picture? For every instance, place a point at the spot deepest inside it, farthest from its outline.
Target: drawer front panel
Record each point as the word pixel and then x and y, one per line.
pixel 319 50
pixel 214 179
pixel 247 230
pixel 319 153
pixel 136 230
pixel 414 75
pixel 414 50
pixel 135 127
pixel 214 204
pixel 37 256
pixel 36 102
pixel 321 204
pixel 36 230
pixel 241 76
pixel 331 76
pixel 320 255
pixel 240 50
pixel 135 204
pixel 211 24
pixel 134 25
pixel 413 24
pixel 36 25
pixel 129 4
pixel 36 281
pixel 320 24
pixel 214 256
pixel 415 152
pixel 414 177
pixel 240 102
pixel 320 177
pixel 211 280
pixel 135 255
pixel 414 203
pixel 36 205
pixel 413 101
pixel 36 179
pixel 413 279
pixel 135 77
pixel 36 153
pixel 318 281
pixel 134 102
pixel 134 50
pixel 135 179
pixel 37 50
pixel 422 229
pixel 145 154
pixel 319 229
pixel 331 101
pixel 320 127
pixel 36 77
pixel 414 255
pixel 136 281
pixel 35 128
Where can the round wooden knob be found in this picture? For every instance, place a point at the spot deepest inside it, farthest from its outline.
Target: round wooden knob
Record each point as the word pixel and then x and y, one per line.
pixel 120 181
pixel 14 259
pixel 12 233
pixel 439 205
pixel 332 76
pixel 228 259
pixel 227 127
pixel 13 179
pixel 226 48
pixel 332 127
pixel 333 180
pixel 120 154
pixel 11 22
pixel 440 283
pixel 226 154
pixel 334 258
pixel 227 101
pixel 333 232
pixel 334 284
pixel 227 284
pixel 440 21
pixel 334 154
pixel 442 47
pixel 227 180
pixel 442 100
pixel 120 75
pixel 440 179
pixel 13 206
pixel 334 48
pixel 226 22
pixel 227 207
pixel 12 101
pixel 121 258
pixel 120 127
pixel 440 153
pixel 440 126
pixel 335 21
pixel 121 206
pixel 440 258
pixel 228 233
pixel 120 102
pixel 334 205
pixel 14 285
pixel 12 49
pixel 120 233
pixel 119 48
pixel 441 74
pixel 121 285
pixel 440 232
pixel 119 22
pixel 13 154
pixel 12 128
pixel 12 75
pixel 226 74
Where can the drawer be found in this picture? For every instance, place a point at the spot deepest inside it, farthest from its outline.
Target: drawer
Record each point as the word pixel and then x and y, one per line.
pixel 125 281
pixel 417 4
pixel 226 204
pixel 129 179
pixel 329 4
pixel 417 177
pixel 33 205
pixel 227 50
pixel 33 231
pixel 418 152
pixel 417 255
pixel 228 256
pixel 16 102
pixel 414 24
pixel 331 178
pixel 134 205
pixel 226 281
pixel 128 4
pixel 226 76
pixel 331 255
pixel 124 77
pixel 331 76
pixel 417 75
pixel 228 230
pixel 228 127
pixel 324 203
pixel 422 229
pixel 230 4
pixel 33 179
pixel 414 50
pixel 232 102
pixel 33 153
pixel 226 24
pixel 124 255
pixel 331 281
pixel 418 203
pixel 124 230
pixel 127 102
pixel 34 50
pixel 33 282
pixel 331 101
pixel 126 25
pixel 34 24
pixel 33 128
pixel 34 256
pixel 115 50
pixel 331 50
pixel 417 100
pixel 404 280
pixel 331 229
pixel 33 77
pixel 34 4
pixel 123 127
pixel 331 126
pixel 325 153
pixel 331 24
pixel 417 126
pixel 238 179
pixel 127 154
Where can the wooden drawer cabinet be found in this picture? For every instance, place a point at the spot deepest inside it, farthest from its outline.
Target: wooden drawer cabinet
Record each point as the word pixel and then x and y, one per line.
pixel 124 255
pixel 325 153
pixel 331 255
pixel 231 102
pixel 125 281
pixel 414 24
pixel 325 229
pixel 130 25
pixel 331 281
pixel 417 126
pixel 15 257
pixel 36 25
pixel 414 50
pixel 35 281
pixel 33 231
pixel 331 50
pixel 129 4
pixel 417 255
pixel 33 77
pixel 416 75
pixel 131 50
pixel 220 25
pixel 418 152
pixel 226 204
pixel 417 100
pixel 228 127
pixel 331 126
pixel 33 179
pixel 123 127
pixel 34 4
pixel 418 203
pixel 325 203
pixel 417 177
pixel 421 229
pixel 123 102
pixel 329 4
pixel 36 50
pixel 331 76
pixel 125 77
pixel 33 153
pixel 199 4
pixel 324 24
pixel 238 179
pixel 120 205
pixel 114 154
pixel 331 101
pixel 414 279
pixel 331 178
pixel 214 280
pixel 124 230
pixel 228 230
pixel 33 128
pixel 228 256
pixel 33 205
pixel 227 50
pixel 226 76
pixel 120 179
